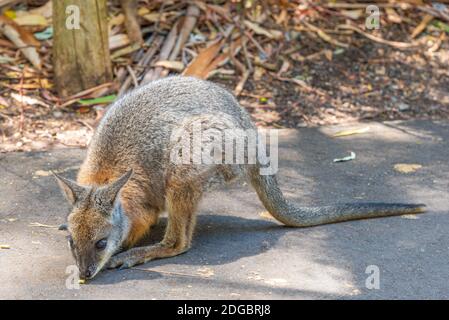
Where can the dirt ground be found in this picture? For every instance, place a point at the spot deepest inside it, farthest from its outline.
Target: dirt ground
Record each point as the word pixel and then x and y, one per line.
pixel 238 251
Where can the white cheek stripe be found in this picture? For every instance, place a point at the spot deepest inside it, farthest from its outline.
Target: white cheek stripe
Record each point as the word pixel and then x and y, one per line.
pixel 121 223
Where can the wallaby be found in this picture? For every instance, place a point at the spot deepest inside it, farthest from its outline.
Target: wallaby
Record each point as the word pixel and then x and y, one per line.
pixel 128 177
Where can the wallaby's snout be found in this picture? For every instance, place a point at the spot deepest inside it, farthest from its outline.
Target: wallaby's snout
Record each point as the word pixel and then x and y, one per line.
pixel 88 271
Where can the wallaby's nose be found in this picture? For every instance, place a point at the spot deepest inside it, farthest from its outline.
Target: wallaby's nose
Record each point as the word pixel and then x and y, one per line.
pixel 88 273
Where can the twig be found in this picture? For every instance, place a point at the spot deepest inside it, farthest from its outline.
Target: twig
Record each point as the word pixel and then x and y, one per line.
pixel 144 62
pixel 250 37
pixel 422 25
pixel 86 124
pixel 399 45
pixel 133 76
pixel 434 12
pixel 87 91
pixel 41 225
pixel 154 74
pixel 323 35
pixel 192 15
pixel 300 83
pixel 359 5
pixel 238 89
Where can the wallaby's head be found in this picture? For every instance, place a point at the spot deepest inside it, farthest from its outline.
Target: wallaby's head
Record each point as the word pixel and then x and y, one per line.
pixel 97 225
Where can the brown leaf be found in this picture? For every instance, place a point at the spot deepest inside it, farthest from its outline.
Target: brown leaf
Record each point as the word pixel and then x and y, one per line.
pixel 407 167
pixel 272 34
pixel 22 39
pixel 199 66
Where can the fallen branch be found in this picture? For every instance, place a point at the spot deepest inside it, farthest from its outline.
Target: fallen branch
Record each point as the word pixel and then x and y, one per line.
pixel 434 12
pixel 192 15
pixel 143 63
pixel 300 83
pixel 169 43
pixel 396 44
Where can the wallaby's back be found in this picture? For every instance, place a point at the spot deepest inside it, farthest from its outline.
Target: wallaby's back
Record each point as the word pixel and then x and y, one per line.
pixel 136 131
pixel 139 125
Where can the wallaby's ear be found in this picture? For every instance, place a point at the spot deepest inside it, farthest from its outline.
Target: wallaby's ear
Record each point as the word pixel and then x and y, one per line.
pixel 110 192
pixel 71 189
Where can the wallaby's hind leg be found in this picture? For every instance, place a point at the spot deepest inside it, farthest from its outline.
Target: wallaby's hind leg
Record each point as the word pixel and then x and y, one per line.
pixel 181 205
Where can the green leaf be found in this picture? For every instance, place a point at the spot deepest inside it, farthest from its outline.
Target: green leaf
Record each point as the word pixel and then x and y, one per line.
pixel 100 100
pixel 441 25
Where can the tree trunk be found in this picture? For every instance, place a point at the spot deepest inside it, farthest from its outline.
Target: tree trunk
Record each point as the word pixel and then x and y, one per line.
pixel 80 49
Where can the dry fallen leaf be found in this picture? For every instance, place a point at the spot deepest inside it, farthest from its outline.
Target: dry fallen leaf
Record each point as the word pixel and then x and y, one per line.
pixel 199 66
pixel 272 34
pixel 41 225
pixel 172 65
pixel 45 173
pixel 205 272
pixel 116 20
pixel 352 14
pixel 31 20
pixel 393 16
pixel 407 167
pixel 350 132
pixel 410 216
pixel 422 25
pixel 42 173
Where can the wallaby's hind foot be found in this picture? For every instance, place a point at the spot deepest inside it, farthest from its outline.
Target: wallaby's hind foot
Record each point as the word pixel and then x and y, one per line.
pixel 141 255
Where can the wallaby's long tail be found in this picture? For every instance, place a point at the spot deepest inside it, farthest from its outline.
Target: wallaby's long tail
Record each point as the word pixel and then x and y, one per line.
pixel 291 215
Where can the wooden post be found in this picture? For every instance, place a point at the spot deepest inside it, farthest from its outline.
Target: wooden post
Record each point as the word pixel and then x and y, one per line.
pixel 81 48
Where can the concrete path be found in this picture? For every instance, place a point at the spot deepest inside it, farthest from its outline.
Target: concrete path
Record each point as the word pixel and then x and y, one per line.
pixel 240 254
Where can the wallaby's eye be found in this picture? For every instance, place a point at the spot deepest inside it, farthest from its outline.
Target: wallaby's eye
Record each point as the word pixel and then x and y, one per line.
pixel 100 245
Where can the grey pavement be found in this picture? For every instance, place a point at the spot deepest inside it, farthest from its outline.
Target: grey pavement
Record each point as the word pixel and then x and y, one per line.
pixel 238 253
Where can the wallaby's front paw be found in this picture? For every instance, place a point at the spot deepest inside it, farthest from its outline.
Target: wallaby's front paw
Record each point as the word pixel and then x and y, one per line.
pixel 123 261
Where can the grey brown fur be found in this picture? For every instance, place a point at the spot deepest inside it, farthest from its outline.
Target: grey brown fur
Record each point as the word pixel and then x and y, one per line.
pixel 135 134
